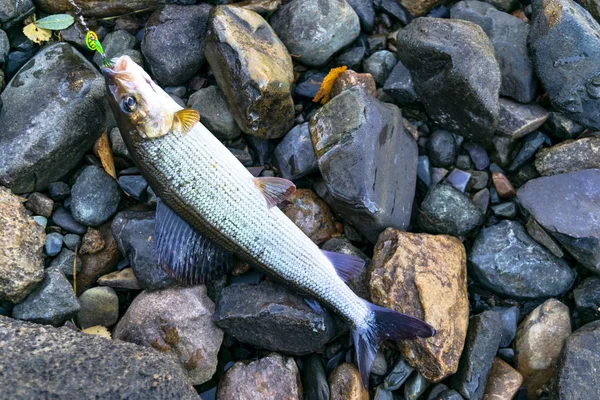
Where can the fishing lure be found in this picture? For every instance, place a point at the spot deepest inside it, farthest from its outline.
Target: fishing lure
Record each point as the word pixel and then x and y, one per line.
pixel 92 42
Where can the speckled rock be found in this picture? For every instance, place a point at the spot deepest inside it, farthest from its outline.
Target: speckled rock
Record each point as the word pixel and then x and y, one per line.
pixel 587 299
pixel 178 322
pixel 255 78
pixel 68 361
pixel 311 215
pixel 40 204
pixel 569 156
pixel 424 276
pixel 503 381
pixel 99 306
pixel 345 384
pixel 21 243
pixel 64 262
pixel 124 279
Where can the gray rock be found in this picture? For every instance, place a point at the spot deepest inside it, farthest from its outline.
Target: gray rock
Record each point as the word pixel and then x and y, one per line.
pixel 565 49
pixel 271 317
pixel 52 303
pixel 173 42
pixel 214 112
pixel 399 85
pixel 449 395
pixel 529 146
pixel 13 11
pixel 455 72
pixel 365 12
pixel 314 380
pixel 510 319
pixel 4 46
pixel 448 211
pixel 509 38
pixel 481 345
pixel 178 322
pixel 315 29
pixel 540 235
pixel 134 185
pixel 114 45
pixel 398 375
pixel 415 386
pixel 563 204
pixel 95 196
pixel 119 148
pixel 507 261
pixel 59 190
pixel 569 156
pixel 561 127
pixel 256 80
pixel 380 64
pixel 578 365
pixel 505 5
pixel 518 120
pixel 359 283
pixel 436 390
pixel 442 149
pixel 64 262
pixel 587 299
pixel 67 362
pixel 65 220
pixel 54 110
pixel 459 179
pixel 361 145
pixel 505 210
pixel 54 242
pixel 99 306
pixel 134 233
pixel 295 155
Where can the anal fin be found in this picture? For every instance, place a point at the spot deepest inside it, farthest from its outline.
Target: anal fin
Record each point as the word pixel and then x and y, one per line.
pixel 346 265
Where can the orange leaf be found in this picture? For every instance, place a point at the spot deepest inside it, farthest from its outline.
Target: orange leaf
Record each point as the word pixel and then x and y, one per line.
pixel 103 151
pixel 324 93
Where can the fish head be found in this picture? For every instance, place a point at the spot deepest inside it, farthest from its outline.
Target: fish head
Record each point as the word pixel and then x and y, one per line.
pixel 142 109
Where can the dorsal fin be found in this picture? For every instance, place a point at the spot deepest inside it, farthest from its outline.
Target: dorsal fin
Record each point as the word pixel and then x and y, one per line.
pixel 274 189
pixel 346 265
pixel 184 120
pixel 185 253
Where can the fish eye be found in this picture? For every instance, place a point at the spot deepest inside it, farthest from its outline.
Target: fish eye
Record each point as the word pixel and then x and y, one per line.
pixel 128 104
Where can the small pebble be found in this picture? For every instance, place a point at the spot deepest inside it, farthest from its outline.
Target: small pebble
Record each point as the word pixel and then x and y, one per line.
pixel 503 186
pixel 72 241
pixel 54 242
pixel 59 190
pixel 459 179
pixel 42 221
pixel 40 204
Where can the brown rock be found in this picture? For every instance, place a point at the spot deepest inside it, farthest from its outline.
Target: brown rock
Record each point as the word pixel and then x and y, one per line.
pixel 420 7
pixel 568 156
pixel 124 279
pixel 539 341
pixel 272 377
pixel 345 384
pixel 311 214
pixel 503 381
pixel 21 242
pixel 349 78
pixel 92 242
pixel 263 7
pixel 424 276
pixel 40 204
pixel 95 8
pixel 503 186
pixel 101 263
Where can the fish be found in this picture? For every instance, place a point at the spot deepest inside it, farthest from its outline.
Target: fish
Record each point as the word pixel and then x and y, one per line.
pixel 210 207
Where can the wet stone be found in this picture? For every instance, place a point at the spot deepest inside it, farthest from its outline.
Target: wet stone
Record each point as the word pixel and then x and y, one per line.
pixel 503 382
pixel 13 11
pixel 54 243
pixel 99 306
pixel 314 381
pixel 397 376
pixel 72 241
pixel 587 299
pixel 134 186
pixel 442 149
pixel 517 120
pixel 415 386
pixel 64 262
pixel 294 155
pixel 380 65
pixel 63 218
pixel 95 196
pixel 569 156
pixel 561 127
pixel 399 85
pixel 214 112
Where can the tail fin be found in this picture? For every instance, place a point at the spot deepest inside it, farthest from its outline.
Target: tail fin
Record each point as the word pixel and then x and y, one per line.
pixel 385 324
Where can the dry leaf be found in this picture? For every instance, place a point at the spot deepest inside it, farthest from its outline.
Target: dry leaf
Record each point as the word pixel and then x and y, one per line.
pixel 103 151
pixel 38 35
pixel 324 93
pixel 98 330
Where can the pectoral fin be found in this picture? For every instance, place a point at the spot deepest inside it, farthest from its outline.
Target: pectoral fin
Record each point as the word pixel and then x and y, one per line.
pixel 184 120
pixel 275 190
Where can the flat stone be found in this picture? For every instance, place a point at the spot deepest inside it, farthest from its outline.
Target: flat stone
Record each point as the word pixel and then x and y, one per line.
pixel 345 384
pixel 538 234
pixel 415 386
pixel 399 85
pixel 459 179
pixel 255 79
pixel 539 342
pixel 67 361
pixel 507 209
pixel 587 299
pixel 569 156
pixel 21 243
pixel 503 382
pixel 214 112
pixel 365 12
pixel 424 276
pixel 134 186
pixel 510 318
pixel 39 204
pixel 295 155
pixel 507 261
pixel 95 197
pixel 311 215
pixel 124 279
pixel 63 218
pixel 482 199
pixel 529 146
pixel 518 120
pixel 99 306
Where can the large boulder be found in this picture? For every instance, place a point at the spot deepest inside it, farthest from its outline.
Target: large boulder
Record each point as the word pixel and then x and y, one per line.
pixel 54 110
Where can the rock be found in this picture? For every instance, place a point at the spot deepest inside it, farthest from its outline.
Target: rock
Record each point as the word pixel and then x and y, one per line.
pixel 270 317
pixel 262 7
pixel 13 11
pixel 345 384
pixel 64 262
pixel 509 38
pixel 437 390
pixel 360 144
pixel 397 376
pixel 67 361
pixel 255 79
pixel 114 45
pixel 483 338
pixel 449 395
pixel 479 180
pixel 569 156
pixel 415 386
pixel 214 112
pixel 564 45
pixel 561 127
pixel 562 204
pixel 482 199
pixel 424 276
pixel 178 322
pixel 478 154
pixel 419 7
pixel 503 382
pixel 503 186
pixel 134 232
pixel 119 148
pixel 134 186
pixel 99 306
pixel 507 261
pixel 95 196
pixel 65 220
pixel 124 279
pixel 529 146
pixel 424 170
pixel 314 381
pixel 89 8
pixel 592 6
pixel 311 215
pixel 365 12
pixel 53 244
pixel 271 377
pixel 52 303
pixel 399 85
pixel 446 210
pixel 380 64
pixel 92 242
pixel 41 221
pixel 459 179
pixel 358 284
pixel 59 190
pixel 21 242
pixel 54 110
pixel 39 204
pixel 460 95
pixel 518 120
pixel 315 29
pixel 578 365
pixel 294 155
pixel 442 149
pixel 539 235
pixel 510 318
pixel 4 46
pixel 349 78
pixel 540 339
pixel 587 299
pixel 173 42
